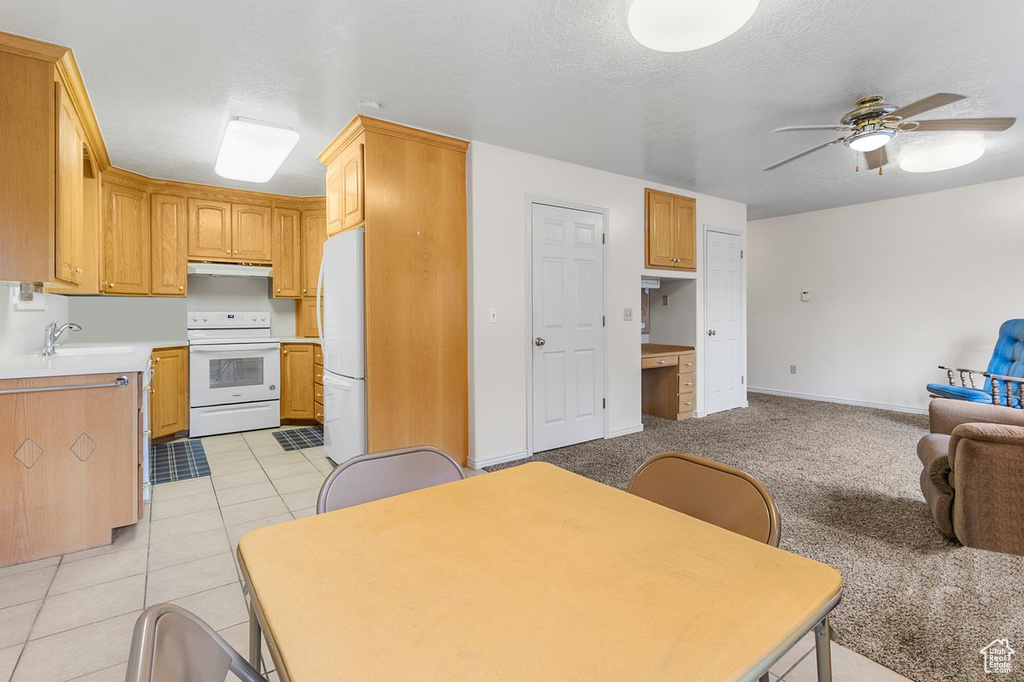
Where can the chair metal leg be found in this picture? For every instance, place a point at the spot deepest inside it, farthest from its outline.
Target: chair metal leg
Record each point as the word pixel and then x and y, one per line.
pixel 254 637
pixel 823 649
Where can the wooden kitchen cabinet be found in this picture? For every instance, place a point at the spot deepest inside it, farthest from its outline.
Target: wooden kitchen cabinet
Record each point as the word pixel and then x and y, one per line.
pixel 345 186
pixel 314 233
pixel 209 229
pixel 168 405
pixel 671 239
pixel 287 274
pixel 298 369
pixel 305 318
pixel 70 224
pixel 251 233
pixel 126 241
pixel 169 239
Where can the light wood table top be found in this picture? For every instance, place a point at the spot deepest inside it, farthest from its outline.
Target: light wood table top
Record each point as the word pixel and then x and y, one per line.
pixel 528 573
pixel 654 350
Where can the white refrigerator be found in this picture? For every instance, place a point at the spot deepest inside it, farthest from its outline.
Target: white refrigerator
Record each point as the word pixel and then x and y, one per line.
pixel 340 287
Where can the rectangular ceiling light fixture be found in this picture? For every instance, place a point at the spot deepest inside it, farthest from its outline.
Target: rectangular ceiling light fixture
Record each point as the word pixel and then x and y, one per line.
pixel 253 151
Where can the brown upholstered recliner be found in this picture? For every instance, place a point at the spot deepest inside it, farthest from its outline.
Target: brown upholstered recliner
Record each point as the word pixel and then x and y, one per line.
pixel 973 476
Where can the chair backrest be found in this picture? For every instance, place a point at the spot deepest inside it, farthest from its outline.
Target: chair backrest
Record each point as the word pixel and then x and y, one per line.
pixel 384 474
pixel 709 491
pixel 1008 355
pixel 171 644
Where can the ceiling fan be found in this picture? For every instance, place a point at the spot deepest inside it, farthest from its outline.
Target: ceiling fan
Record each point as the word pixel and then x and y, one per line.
pixel 874 123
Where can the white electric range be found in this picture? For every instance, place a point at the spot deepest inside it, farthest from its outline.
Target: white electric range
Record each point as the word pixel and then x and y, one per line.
pixel 234 373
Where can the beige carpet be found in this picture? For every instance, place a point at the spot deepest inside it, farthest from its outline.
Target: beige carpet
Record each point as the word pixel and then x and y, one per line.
pixel 845 479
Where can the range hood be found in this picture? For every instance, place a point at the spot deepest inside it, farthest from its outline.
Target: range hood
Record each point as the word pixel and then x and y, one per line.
pixel 228 270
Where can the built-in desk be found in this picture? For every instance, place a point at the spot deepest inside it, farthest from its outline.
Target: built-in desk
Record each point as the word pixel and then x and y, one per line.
pixel 669 380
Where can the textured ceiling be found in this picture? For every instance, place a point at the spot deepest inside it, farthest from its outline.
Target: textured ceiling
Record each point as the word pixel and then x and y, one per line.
pixel 559 78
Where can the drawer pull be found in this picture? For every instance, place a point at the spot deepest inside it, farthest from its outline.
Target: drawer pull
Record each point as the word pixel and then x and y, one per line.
pixel 688 383
pixel 688 364
pixel 661 362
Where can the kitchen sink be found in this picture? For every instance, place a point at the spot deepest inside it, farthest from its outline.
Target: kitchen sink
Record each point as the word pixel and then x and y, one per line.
pixel 93 350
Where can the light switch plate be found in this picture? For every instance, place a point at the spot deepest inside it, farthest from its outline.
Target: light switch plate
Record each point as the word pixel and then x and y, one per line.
pixel 493 317
pixel 627 314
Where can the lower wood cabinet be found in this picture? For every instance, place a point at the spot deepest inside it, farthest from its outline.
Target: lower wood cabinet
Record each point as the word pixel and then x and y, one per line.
pixel 168 405
pixel 298 369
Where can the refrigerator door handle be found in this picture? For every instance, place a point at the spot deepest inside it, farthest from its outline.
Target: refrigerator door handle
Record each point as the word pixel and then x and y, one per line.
pixel 319 290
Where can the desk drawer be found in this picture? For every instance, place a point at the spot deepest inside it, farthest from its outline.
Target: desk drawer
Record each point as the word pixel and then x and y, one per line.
pixel 687 363
pixel 686 402
pixel 666 361
pixel 687 383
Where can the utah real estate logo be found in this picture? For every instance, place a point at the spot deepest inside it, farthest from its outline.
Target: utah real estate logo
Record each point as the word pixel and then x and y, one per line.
pixel 997 656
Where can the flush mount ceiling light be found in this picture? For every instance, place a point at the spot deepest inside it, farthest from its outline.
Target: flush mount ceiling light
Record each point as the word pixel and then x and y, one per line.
pixel 870 140
pixel 684 25
pixel 253 151
pixel 941 157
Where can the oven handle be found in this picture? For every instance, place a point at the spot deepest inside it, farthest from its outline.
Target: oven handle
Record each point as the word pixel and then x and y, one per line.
pixel 234 347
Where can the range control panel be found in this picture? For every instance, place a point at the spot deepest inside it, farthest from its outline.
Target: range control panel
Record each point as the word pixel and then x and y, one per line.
pixel 229 320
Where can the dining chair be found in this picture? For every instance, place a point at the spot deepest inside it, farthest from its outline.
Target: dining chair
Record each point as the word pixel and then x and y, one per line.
pixel 710 491
pixel 171 644
pixel 385 474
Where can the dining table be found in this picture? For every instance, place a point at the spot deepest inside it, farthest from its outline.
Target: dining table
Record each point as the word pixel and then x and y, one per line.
pixel 528 573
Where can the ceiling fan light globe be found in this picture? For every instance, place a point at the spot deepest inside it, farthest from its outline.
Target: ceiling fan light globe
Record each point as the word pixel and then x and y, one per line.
pixel 869 142
pixel 684 25
pixel 941 157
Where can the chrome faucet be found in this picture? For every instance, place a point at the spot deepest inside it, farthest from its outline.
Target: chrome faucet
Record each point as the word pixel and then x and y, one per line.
pixel 53 333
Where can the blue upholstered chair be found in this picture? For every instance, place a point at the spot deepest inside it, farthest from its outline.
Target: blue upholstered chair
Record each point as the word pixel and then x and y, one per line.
pixel 1003 381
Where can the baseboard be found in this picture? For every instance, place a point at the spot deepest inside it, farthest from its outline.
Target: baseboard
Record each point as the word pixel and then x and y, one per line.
pixel 841 401
pixel 476 463
pixel 626 431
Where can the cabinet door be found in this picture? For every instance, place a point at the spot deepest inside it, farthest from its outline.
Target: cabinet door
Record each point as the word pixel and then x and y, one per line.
pixel 660 230
pixel 685 210
pixel 287 258
pixel 209 229
pixel 297 381
pixel 168 407
pixel 314 233
pixel 70 223
pixel 350 163
pixel 126 257
pixel 251 233
pixel 305 318
pixel 333 198
pixel 169 245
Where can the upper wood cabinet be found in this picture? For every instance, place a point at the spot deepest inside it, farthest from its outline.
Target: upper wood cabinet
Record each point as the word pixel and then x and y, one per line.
pixel 314 232
pixel 209 229
pixel 169 237
pixel 251 233
pixel 298 366
pixel 671 241
pixel 345 188
pixel 287 253
pixel 126 241
pixel 70 225
pixel 168 409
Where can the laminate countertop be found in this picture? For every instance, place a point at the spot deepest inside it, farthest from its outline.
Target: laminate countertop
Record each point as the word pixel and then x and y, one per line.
pixel 85 358
pixel 655 350
pixel 300 339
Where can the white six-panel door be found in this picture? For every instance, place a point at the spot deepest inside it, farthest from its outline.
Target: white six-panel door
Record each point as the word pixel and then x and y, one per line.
pixel 723 378
pixel 567 340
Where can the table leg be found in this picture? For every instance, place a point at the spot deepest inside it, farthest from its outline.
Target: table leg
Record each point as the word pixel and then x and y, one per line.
pixel 823 649
pixel 254 637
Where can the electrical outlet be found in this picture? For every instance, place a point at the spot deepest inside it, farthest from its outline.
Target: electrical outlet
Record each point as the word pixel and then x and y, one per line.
pixel 627 314
pixel 792 369
pixel 493 319
pixel 664 299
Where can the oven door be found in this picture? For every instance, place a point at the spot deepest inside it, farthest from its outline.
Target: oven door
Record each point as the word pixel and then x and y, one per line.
pixel 222 374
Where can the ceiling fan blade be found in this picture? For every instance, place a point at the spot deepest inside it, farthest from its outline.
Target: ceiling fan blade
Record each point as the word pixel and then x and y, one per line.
pixel 787 129
pixel 939 99
pixel 995 124
pixel 876 158
pixel 805 153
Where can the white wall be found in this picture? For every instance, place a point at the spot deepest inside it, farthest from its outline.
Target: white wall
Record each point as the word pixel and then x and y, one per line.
pixel 898 287
pixel 21 331
pixel 500 180
pixel 126 318
pixel 675 323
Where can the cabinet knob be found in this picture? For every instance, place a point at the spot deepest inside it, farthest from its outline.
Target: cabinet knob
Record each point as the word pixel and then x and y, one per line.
pixel 111 285
pixel 181 287
pixel 284 352
pixel 156 359
pixel 236 252
pixel 78 271
pixel 228 251
pixel 303 291
pixel 278 291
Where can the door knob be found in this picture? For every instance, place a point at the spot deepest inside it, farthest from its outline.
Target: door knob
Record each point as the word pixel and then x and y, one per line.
pixel 711 332
pixel 539 341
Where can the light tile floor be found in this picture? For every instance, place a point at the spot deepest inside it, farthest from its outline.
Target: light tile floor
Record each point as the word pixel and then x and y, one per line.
pixel 71 617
